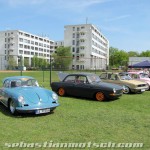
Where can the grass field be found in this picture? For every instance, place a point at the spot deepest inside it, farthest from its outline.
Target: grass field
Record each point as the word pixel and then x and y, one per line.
pixel 125 120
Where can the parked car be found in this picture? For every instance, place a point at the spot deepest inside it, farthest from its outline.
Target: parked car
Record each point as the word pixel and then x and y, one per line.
pixel 23 94
pixel 140 76
pixel 86 85
pixel 125 80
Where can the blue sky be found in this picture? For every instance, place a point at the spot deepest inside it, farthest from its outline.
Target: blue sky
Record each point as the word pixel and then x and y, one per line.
pixel 125 23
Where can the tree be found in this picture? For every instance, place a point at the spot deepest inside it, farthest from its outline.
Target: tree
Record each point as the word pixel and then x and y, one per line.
pixel 145 53
pixel 117 57
pixel 11 63
pixel 26 62
pixel 39 62
pixel 62 57
pixel 133 54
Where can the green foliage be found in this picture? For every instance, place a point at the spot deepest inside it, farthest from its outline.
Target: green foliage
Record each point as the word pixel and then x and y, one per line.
pixel 62 57
pixel 145 53
pixel 11 63
pixel 26 62
pixel 117 57
pixel 39 62
pixel 133 54
pixel 120 57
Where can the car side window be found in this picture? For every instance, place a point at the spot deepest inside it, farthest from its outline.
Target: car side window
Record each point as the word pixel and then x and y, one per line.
pixel 6 84
pixel 103 76
pixel 70 79
pixel 134 76
pixel 81 79
pixel 114 77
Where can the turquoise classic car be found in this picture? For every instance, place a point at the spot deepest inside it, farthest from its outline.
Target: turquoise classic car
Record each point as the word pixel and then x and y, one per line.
pixel 23 94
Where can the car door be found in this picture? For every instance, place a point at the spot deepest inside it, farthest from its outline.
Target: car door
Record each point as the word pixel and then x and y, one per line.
pixel 82 87
pixel 69 85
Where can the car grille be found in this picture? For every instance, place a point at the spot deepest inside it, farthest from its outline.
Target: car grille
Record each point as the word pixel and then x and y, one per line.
pixel 118 91
pixel 141 85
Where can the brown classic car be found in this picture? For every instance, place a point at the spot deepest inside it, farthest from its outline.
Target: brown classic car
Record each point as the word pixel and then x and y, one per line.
pixel 125 80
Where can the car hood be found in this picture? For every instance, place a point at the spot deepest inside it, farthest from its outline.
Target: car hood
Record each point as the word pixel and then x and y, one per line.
pixel 135 82
pixel 33 94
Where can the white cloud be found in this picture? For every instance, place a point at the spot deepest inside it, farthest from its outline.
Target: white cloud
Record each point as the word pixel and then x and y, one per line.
pixel 76 4
pixel 117 18
pixel 15 3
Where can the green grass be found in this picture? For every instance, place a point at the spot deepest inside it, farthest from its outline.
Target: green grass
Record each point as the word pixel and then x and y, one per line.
pixel 125 120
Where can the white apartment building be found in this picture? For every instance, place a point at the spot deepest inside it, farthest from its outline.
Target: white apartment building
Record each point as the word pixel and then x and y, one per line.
pixel 90 48
pixel 19 43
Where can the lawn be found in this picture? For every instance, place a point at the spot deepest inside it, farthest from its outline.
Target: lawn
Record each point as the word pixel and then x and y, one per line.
pixel 125 120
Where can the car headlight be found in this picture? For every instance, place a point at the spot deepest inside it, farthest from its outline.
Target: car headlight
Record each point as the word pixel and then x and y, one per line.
pixel 21 100
pixel 114 90
pixel 55 96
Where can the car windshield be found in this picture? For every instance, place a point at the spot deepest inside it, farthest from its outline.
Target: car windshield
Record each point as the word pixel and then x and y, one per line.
pixel 144 75
pixel 24 82
pixel 125 77
pixel 94 78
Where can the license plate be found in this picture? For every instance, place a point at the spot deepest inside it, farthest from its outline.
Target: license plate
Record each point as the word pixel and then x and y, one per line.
pixel 41 111
pixel 142 90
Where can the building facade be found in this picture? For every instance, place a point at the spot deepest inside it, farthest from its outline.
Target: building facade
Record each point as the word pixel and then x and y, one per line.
pixel 90 48
pixel 14 43
pixel 135 60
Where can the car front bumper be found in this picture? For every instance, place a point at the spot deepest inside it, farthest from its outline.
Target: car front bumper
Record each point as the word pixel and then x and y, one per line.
pixel 139 90
pixel 38 109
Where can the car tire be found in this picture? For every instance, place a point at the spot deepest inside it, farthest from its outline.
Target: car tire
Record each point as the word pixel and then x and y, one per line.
pixel 61 91
pixel 126 90
pixel 12 107
pixel 100 96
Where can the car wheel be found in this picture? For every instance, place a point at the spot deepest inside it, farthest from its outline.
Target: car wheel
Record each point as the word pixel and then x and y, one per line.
pixel 12 107
pixel 61 92
pixel 99 96
pixel 126 90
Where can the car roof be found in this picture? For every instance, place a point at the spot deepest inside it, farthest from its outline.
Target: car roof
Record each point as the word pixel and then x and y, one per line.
pixel 63 75
pixel 111 72
pixel 82 73
pixel 17 77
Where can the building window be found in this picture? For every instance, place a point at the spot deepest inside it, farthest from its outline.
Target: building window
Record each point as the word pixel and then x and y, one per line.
pixel 78 35
pixel 73 42
pixel 73 49
pixel 36 48
pixel 20 33
pixel 73 35
pixel 36 43
pixel 20 52
pixel 27 35
pixel 32 47
pixel 21 39
pixel 21 45
pixel 32 42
